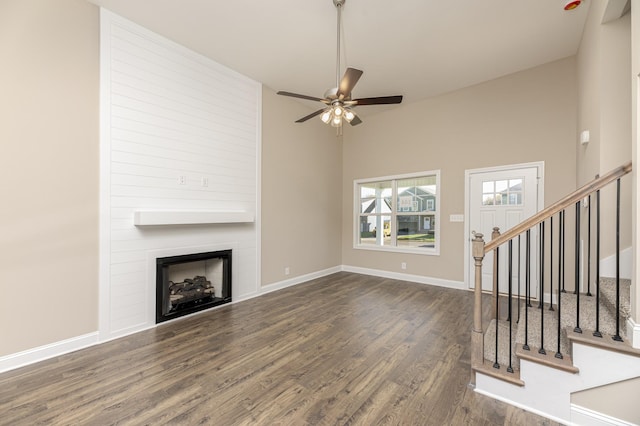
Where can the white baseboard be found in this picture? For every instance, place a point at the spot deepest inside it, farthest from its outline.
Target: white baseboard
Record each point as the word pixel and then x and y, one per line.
pixel 608 264
pixel 517 404
pixel 420 279
pixel 296 280
pixel 584 417
pixel 30 356
pixel 633 330
pixel 41 353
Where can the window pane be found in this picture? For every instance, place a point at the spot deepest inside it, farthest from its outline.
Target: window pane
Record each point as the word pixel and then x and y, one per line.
pixel 515 185
pixel 487 187
pixel 501 185
pixel 515 198
pixel 369 226
pixel 417 194
pixel 416 230
pixel 375 197
pixel 487 199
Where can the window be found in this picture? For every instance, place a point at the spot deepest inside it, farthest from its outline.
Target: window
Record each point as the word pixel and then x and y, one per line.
pixel 502 192
pixel 398 213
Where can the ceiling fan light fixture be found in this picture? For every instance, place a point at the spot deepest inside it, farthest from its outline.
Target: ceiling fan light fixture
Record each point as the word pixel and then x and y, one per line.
pixel 338 101
pixel 326 116
pixel 349 115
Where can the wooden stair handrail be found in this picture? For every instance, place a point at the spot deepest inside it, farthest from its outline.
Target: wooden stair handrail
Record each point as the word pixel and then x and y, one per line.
pixel 567 201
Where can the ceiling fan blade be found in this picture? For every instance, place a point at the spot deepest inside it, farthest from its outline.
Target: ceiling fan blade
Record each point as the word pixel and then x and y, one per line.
pixel 296 95
pixel 348 82
pixel 307 117
pixel 356 120
pixel 380 100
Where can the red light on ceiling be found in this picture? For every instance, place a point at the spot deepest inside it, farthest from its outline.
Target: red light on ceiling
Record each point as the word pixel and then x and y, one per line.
pixel 572 4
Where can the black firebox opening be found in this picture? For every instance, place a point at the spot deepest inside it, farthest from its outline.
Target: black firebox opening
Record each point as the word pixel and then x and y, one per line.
pixel 192 282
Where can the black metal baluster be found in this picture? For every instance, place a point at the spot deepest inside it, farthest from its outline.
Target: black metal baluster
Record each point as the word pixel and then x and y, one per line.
pixel 589 247
pixel 597 333
pixel 541 283
pixel 540 261
pixel 617 337
pixel 577 328
pixel 562 238
pixel 519 293
pixel 497 260
pixel 558 353
pixel 510 368
pixel 527 281
pixel 551 265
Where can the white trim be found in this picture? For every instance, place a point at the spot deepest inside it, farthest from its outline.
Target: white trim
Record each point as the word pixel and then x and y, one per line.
pixel 517 404
pixel 586 417
pixel 467 178
pixel 608 264
pixel 296 280
pixel 420 279
pixel 633 330
pixel 41 353
pixel 435 251
pixel 20 359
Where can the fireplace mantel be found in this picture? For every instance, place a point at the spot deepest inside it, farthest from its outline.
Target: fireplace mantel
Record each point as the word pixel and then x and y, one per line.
pixel 189 217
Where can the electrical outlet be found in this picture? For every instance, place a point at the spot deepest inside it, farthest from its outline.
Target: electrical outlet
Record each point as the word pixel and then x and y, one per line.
pixel 182 180
pixel 287 270
pixel 403 265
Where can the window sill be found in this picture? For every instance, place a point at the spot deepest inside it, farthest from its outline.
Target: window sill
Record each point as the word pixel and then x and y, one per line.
pixel 412 250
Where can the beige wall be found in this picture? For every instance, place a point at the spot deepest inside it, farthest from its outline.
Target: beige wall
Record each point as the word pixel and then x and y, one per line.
pixel 48 171
pixel 604 108
pixel 618 400
pixel 301 191
pixel 523 117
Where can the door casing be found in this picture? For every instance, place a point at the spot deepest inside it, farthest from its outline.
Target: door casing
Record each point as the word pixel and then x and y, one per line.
pixel 539 165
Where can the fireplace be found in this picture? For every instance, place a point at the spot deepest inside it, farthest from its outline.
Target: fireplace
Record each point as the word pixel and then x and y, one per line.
pixel 192 282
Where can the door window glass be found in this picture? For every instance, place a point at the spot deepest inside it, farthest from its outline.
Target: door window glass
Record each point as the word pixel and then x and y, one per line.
pixel 502 192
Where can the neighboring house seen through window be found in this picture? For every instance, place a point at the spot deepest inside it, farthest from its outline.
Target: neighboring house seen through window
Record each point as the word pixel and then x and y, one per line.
pixel 398 213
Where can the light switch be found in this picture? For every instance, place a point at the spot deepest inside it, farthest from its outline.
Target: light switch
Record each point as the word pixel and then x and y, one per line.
pixel 456 218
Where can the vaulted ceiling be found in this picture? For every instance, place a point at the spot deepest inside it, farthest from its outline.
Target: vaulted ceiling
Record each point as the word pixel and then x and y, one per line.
pixel 416 48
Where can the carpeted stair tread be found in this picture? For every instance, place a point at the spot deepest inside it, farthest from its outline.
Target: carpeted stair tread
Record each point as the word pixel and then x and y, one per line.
pixel 503 347
pixel 608 295
pixel 569 302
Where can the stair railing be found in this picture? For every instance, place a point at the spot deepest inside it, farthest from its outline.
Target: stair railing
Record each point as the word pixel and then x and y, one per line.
pixel 480 249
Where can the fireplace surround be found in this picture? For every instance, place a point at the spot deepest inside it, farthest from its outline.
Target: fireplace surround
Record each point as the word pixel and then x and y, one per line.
pixel 190 283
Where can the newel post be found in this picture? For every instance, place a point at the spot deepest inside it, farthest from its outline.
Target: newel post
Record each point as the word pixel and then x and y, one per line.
pixel 477 341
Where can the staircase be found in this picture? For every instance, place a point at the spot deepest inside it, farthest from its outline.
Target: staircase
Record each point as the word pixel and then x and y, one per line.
pixel 532 335
pixel 535 355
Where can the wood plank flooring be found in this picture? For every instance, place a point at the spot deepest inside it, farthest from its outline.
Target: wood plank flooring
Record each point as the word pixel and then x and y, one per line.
pixel 343 349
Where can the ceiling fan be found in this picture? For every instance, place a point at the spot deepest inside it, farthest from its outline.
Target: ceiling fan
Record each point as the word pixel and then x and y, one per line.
pixel 338 101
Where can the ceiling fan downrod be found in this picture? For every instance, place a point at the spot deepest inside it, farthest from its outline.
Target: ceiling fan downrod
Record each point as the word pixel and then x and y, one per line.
pixel 338 4
pixel 338 101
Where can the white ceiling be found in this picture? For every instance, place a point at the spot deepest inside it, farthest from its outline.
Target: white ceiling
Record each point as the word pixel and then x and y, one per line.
pixel 415 48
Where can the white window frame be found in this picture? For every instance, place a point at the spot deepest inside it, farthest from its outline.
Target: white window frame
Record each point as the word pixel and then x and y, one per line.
pixel 435 251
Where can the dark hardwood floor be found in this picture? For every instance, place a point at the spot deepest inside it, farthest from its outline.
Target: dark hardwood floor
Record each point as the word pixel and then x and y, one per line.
pixel 344 349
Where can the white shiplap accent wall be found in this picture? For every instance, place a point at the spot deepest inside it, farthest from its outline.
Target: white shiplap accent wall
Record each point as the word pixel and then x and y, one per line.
pixel 168 112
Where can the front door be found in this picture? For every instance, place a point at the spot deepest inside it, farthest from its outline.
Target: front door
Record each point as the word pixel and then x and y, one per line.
pixel 503 198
